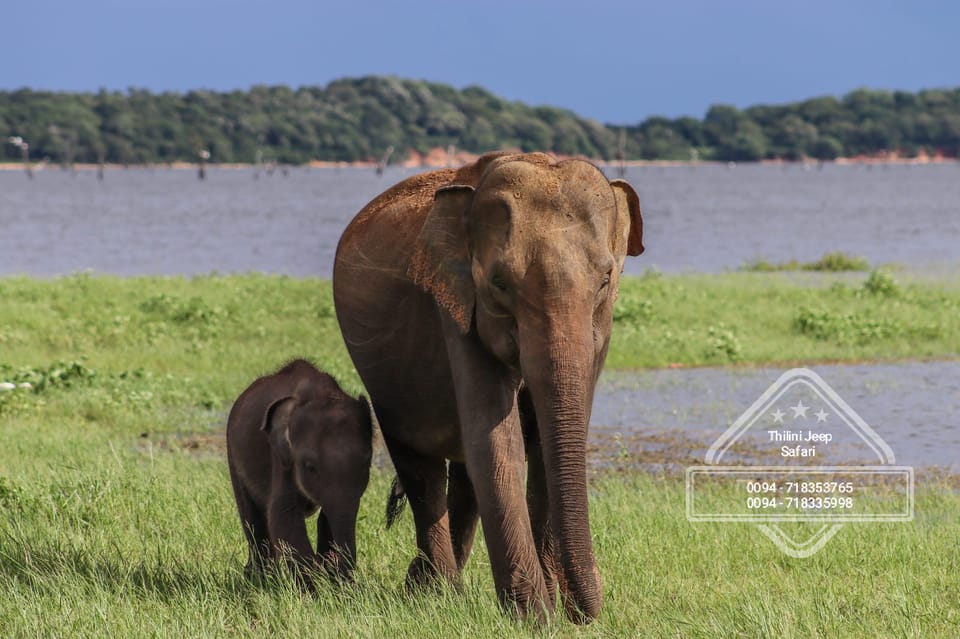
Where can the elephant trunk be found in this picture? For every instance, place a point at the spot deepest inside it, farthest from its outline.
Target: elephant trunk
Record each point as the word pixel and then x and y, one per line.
pixel 558 368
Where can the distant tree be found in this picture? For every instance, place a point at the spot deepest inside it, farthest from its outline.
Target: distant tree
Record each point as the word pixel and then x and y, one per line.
pixel 791 137
pixel 747 144
pixel 691 130
pixel 821 111
pixel 358 118
pixel 865 104
pixel 949 139
pixel 721 123
pixel 826 148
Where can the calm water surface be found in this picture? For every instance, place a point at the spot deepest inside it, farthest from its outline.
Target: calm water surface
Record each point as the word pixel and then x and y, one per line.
pixel 708 218
pixel 913 406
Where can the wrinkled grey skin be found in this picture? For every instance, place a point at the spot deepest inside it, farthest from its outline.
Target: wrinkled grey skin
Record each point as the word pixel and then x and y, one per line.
pixel 476 304
pixel 297 443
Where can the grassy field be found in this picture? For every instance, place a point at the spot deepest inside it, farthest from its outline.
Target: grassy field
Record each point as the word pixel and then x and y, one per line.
pixel 200 340
pixel 118 518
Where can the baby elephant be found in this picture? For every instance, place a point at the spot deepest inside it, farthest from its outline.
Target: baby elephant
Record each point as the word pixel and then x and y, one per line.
pixel 295 443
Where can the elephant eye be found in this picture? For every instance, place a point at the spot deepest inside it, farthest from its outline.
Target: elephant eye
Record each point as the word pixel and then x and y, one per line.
pixel 605 282
pixel 499 283
pixel 309 466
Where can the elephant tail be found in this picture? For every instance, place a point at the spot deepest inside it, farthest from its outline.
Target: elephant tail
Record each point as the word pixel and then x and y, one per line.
pixel 395 501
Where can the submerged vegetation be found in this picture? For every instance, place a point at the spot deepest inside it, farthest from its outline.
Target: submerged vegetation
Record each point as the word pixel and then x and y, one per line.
pixel 118 519
pixel 359 118
pixel 832 262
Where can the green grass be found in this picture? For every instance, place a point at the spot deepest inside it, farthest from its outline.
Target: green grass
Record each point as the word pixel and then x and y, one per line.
pixel 757 318
pixel 830 262
pixel 201 339
pixel 118 520
pixel 194 342
pixel 104 536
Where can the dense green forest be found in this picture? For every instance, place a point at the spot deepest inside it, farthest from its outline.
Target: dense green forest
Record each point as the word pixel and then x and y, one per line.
pixel 357 119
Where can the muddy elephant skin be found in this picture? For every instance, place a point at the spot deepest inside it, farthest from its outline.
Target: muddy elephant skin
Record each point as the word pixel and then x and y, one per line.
pixel 476 304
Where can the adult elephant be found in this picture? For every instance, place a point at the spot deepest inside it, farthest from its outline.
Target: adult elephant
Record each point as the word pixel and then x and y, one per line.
pixel 464 295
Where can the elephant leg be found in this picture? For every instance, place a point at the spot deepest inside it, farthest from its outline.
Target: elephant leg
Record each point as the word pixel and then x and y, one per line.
pixel 464 516
pixel 288 534
pixel 424 481
pixel 494 451
pixel 330 555
pixel 255 530
pixel 324 536
pixel 497 458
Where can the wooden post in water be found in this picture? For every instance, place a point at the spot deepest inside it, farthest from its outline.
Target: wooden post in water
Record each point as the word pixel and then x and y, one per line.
pixel 70 142
pixel 21 144
pixel 622 152
pixel 67 141
pixel 202 170
pixel 101 160
pixel 382 164
pixel 25 151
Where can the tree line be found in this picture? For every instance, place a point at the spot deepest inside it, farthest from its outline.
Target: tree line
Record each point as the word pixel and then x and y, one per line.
pixel 358 118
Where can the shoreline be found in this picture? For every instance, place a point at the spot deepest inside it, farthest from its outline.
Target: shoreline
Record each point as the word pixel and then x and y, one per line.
pixel 440 161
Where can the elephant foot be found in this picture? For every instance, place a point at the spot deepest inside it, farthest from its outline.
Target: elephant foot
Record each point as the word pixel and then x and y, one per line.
pixel 525 605
pixel 423 574
pixel 338 569
pixel 255 569
pixel 252 572
pixel 306 576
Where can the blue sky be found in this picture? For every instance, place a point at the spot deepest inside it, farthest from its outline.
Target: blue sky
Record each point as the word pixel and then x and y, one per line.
pixel 615 61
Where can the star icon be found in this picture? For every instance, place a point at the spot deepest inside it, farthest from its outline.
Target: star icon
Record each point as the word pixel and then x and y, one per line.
pixel 778 416
pixel 799 410
pixel 821 415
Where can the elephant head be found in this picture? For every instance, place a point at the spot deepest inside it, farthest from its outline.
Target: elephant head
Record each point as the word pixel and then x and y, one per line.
pixel 325 446
pixel 528 262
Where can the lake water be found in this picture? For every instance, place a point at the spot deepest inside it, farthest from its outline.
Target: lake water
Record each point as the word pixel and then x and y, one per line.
pixel 913 406
pixel 708 218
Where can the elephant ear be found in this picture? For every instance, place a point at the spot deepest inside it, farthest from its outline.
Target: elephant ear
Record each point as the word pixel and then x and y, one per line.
pixel 629 202
pixel 441 261
pixel 276 423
